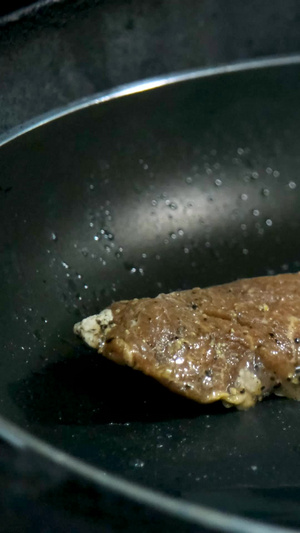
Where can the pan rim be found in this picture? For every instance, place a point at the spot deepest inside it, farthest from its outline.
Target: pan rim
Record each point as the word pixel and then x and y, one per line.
pixel 147 84
pixel 197 514
pixel 19 438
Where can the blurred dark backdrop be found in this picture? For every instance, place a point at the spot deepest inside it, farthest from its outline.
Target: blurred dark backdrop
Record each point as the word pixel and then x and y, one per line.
pixel 56 51
pixel 13 5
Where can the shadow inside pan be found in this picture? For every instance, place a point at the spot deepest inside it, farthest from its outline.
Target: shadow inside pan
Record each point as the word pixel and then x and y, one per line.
pixel 85 389
pixel 192 184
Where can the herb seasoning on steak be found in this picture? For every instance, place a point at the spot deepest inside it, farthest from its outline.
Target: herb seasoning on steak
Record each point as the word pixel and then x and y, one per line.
pixel 236 342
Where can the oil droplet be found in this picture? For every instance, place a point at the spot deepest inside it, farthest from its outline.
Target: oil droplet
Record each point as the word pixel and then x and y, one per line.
pixel 92 187
pixel 244 197
pixel 173 236
pixel 269 170
pixel 96 238
pixel 138 463
pixel 186 250
pixel 189 180
pixel 218 182
pixel 255 212
pixel 276 174
pixel 180 232
pixel 119 252
pixel 255 175
pixel 243 227
pixel 254 468
pixel 265 192
pixel 269 222
pixel 154 203
pixel 292 185
pixel 53 236
pixel 245 251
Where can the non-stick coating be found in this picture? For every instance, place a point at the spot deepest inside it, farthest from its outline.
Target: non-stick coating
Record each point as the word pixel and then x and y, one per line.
pixel 187 185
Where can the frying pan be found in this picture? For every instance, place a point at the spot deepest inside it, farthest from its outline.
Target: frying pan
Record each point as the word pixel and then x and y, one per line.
pixel 182 181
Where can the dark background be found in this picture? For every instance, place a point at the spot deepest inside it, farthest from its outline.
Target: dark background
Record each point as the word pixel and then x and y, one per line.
pixel 54 52
pixel 13 5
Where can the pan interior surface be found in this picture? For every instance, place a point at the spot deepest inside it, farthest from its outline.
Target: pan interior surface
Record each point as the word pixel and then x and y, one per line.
pixel 192 184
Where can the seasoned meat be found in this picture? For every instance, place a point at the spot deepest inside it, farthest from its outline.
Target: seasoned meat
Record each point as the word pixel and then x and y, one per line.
pixel 236 342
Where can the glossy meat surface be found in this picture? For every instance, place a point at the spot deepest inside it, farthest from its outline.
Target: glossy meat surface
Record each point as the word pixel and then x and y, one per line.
pixel 236 342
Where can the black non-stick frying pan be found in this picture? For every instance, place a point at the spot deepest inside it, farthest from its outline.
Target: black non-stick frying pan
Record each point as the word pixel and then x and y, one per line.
pixel 132 193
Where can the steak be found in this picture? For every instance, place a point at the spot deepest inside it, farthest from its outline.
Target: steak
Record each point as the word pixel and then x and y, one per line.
pixel 237 342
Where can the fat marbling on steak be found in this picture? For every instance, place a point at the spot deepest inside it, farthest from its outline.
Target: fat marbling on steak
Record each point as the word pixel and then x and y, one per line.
pixel 236 342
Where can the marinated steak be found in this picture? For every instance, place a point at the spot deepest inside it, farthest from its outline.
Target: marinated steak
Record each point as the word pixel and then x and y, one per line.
pixel 236 342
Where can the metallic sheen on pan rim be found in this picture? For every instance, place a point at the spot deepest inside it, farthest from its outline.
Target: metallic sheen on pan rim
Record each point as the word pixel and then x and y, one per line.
pixel 194 513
